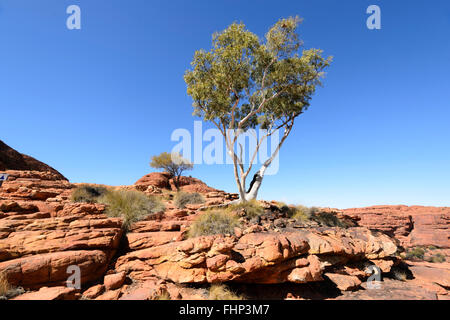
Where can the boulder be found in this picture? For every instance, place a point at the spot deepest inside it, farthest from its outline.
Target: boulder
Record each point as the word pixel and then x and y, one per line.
pixel 53 293
pixel 51 268
pixel 114 281
pixel 344 282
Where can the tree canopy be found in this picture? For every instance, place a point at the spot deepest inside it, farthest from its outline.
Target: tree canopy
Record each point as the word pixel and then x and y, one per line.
pixel 246 82
pixel 173 163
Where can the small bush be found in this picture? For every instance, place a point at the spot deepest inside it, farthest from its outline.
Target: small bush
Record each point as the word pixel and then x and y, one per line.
pixel 415 253
pixel 252 208
pixel 213 222
pixel 329 219
pixel 222 292
pixel 88 193
pixel 183 198
pixel 400 274
pixel 437 258
pixel 161 296
pixel 5 287
pixel 130 205
pixel 302 213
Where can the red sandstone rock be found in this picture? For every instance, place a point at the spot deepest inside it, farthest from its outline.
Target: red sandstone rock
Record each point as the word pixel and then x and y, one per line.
pixel 144 240
pixel 390 290
pixel 10 159
pixel 53 293
pixel 255 257
pixel 156 179
pixel 163 180
pixel 413 226
pixel 51 268
pixel 94 292
pixel 109 295
pixel 435 273
pixel 114 281
pixel 344 282
pixel 42 233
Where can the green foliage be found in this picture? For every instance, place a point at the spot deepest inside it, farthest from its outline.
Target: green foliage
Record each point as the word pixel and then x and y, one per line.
pixel 437 258
pixel 222 292
pixel 87 193
pixel 183 198
pixel 251 208
pixel 213 222
pixel 244 81
pixel 415 253
pixel 132 206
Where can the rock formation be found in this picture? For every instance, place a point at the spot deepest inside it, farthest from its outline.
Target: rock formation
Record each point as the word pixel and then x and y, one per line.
pixel 43 233
pixel 163 180
pixel 10 159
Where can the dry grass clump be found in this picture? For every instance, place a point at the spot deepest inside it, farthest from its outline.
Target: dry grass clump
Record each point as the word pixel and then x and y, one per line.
pixel 130 205
pixel 302 213
pixel 416 253
pixel 161 296
pixel 222 292
pixel 213 222
pixel 5 287
pixel 87 193
pixel 305 214
pixel 400 274
pixel 251 208
pixel 330 220
pixel 183 198
pixel 437 258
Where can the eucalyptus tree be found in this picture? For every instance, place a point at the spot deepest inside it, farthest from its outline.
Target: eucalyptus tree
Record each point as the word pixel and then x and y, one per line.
pixel 244 82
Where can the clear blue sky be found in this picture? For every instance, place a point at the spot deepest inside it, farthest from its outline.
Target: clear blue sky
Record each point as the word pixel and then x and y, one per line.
pixel 96 103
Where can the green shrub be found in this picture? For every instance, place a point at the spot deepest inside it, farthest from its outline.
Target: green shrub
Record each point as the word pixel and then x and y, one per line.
pixel 87 193
pixel 437 258
pixel 130 205
pixel 213 222
pixel 251 208
pixel 415 253
pixel 183 198
pixel 222 292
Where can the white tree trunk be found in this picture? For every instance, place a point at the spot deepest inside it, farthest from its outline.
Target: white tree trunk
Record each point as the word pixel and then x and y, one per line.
pixel 258 178
pixel 253 192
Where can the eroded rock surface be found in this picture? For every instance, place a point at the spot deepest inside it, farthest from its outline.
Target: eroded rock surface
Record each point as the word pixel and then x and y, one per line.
pixel 42 233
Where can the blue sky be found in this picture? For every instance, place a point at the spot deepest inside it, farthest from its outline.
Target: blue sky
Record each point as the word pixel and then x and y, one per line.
pixel 96 103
